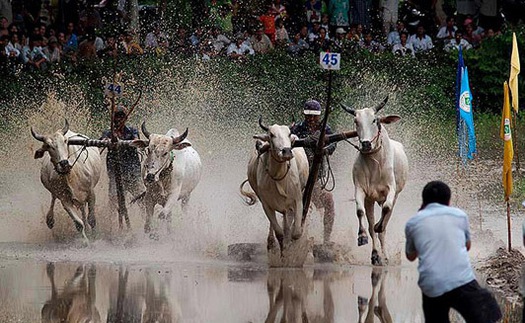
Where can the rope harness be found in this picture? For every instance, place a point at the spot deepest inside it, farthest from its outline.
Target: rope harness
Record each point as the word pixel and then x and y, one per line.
pixel 278 161
pixel 79 151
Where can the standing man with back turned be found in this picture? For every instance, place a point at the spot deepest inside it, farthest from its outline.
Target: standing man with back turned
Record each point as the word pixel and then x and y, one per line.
pixel 321 198
pixel 439 236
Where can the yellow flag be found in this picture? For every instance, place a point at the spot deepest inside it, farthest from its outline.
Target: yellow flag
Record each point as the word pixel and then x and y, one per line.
pixel 508 150
pixel 514 71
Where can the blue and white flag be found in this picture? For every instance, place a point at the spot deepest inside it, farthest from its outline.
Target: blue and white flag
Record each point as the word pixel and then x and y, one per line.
pixel 466 134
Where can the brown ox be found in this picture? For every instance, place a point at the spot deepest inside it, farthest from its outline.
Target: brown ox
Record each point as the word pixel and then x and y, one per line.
pixel 69 173
pixel 278 178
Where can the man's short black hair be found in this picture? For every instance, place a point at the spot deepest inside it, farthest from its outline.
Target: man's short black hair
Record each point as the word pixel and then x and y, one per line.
pixel 436 192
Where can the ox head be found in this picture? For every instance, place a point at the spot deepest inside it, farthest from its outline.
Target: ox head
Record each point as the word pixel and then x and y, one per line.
pixel 280 140
pixel 368 125
pixel 159 152
pixel 56 146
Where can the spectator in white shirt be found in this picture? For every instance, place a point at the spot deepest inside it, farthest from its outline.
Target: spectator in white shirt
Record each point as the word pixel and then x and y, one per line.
pixel 404 48
pixel 240 49
pixel 447 32
pixel 421 41
pixel 394 36
pixel 458 41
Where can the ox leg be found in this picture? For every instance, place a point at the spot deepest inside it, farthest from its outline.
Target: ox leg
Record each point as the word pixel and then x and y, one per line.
pixel 381 226
pixel 376 259
pixel 362 238
pixel 166 211
pixel 184 202
pixel 50 217
pixel 79 224
pixel 271 243
pixel 297 230
pixel 82 209
pixel 279 234
pixel 386 211
pixel 150 206
pixel 91 210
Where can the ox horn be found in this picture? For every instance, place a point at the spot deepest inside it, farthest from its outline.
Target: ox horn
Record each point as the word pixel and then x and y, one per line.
pixel 144 130
pixel 381 105
pixel 180 138
pixel 348 109
pixel 65 128
pixel 265 128
pixel 36 135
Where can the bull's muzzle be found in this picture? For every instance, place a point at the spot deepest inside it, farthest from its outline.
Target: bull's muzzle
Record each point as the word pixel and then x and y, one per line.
pixel 366 146
pixel 286 153
pixel 63 167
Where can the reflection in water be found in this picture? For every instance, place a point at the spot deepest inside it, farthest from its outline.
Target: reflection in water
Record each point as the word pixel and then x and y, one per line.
pixel 76 302
pixel 135 304
pixel 290 296
pixel 214 292
pixel 381 310
pixel 287 291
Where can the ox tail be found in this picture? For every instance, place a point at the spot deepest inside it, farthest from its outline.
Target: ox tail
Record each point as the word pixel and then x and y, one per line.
pixel 250 198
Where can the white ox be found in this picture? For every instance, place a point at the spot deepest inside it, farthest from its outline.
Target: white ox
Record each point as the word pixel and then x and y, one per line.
pixel 379 174
pixel 278 178
pixel 70 173
pixel 171 171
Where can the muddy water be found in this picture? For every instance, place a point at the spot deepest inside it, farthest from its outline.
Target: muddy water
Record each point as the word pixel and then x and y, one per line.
pixel 32 291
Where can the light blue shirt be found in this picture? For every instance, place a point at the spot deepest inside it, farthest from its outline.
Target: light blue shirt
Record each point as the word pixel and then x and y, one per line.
pixel 439 234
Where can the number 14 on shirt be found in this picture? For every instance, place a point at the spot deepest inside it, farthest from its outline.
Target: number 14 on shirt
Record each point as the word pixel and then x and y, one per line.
pixel 330 61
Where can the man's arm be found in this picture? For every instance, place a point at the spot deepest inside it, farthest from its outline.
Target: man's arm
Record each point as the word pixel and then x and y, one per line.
pixel 410 248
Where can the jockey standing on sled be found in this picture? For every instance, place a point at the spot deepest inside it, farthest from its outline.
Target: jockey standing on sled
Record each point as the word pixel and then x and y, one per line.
pixel 321 198
pixel 126 156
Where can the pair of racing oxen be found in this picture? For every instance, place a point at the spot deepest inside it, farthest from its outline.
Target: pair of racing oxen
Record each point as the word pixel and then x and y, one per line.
pixel 277 172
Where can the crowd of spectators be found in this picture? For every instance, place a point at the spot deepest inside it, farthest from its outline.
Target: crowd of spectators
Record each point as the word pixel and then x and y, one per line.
pixel 39 45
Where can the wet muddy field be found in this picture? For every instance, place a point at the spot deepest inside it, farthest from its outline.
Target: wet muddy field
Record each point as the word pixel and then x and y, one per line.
pixel 186 276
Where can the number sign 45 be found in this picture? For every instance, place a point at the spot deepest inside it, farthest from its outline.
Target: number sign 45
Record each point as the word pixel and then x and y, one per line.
pixel 330 61
pixel 113 90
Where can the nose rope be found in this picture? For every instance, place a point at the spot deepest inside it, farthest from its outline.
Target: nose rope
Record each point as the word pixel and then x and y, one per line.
pixel 376 138
pixel 273 157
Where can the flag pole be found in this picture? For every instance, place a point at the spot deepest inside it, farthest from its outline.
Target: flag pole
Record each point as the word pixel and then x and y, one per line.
pixel 515 140
pixel 508 225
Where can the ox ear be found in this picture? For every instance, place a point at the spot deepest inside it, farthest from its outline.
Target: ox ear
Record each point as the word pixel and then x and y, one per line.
pixel 181 145
pixel 390 119
pixel 39 153
pixel 139 143
pixel 263 137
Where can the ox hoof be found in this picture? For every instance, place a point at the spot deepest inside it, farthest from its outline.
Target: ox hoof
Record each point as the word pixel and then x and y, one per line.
pixel 50 222
pixel 362 240
pixel 378 228
pixel 376 260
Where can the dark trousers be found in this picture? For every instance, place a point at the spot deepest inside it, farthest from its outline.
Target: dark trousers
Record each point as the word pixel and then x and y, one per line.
pixel 475 304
